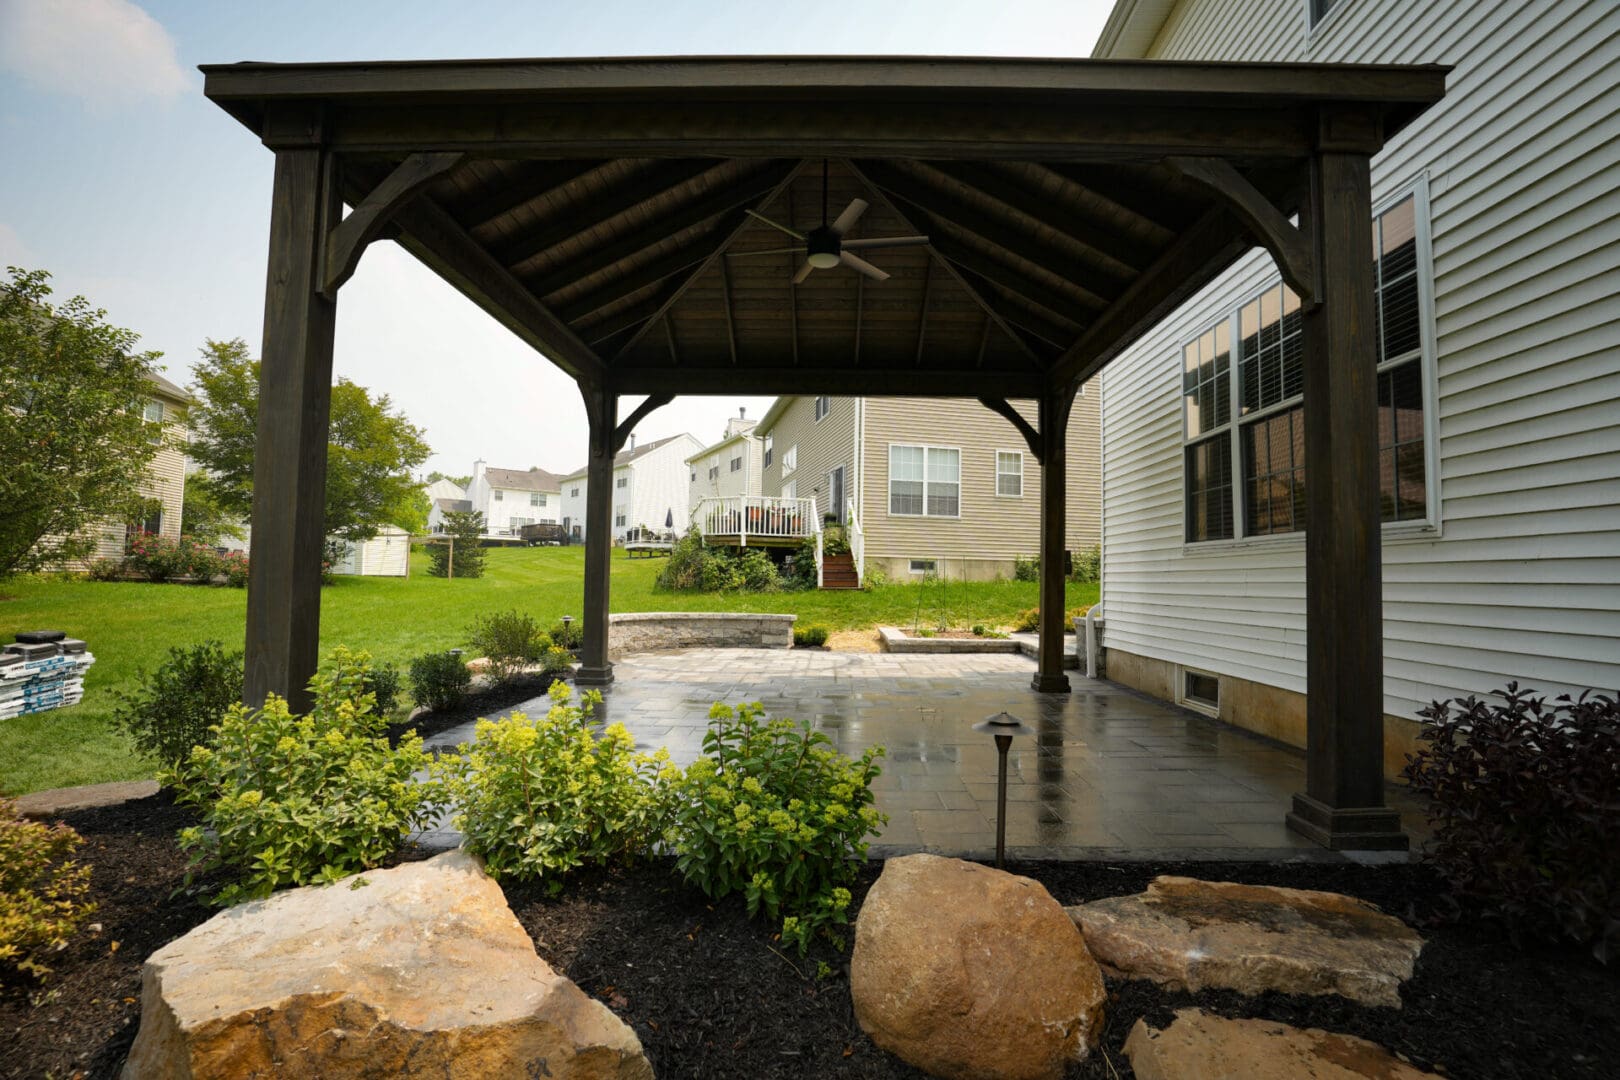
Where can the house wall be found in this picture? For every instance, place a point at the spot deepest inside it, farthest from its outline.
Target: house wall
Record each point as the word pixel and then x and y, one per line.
pixel 660 487
pixel 514 505
pixel 823 445
pixel 745 481
pixel 572 502
pixel 385 555
pixel 1519 576
pixel 165 479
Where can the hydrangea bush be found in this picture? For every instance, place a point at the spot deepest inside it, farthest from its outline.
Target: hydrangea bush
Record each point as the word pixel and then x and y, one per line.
pixel 774 812
pixel 294 800
pixel 538 798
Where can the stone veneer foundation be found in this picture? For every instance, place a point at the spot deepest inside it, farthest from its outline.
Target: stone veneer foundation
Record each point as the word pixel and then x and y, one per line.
pixel 1265 710
pixel 651 631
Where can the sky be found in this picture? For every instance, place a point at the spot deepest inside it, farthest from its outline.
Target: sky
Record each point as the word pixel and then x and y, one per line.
pixel 119 178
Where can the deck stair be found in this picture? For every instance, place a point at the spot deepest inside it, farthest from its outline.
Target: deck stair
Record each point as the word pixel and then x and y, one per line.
pixel 838 572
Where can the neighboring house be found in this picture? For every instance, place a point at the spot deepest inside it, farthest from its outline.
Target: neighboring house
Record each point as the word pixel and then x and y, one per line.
pixel 165 480
pixel 444 495
pixel 1497 260
pixel 650 486
pixel 934 484
pixel 732 466
pixel 512 498
pixel 385 555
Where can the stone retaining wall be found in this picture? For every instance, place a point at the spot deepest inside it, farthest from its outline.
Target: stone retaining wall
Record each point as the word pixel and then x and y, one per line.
pixel 651 631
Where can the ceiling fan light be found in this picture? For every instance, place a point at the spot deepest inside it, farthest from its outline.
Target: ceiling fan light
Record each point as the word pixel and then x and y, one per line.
pixel 823 260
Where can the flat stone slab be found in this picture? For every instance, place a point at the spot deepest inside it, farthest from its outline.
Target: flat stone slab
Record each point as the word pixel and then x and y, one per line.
pixel 54 802
pixel 1200 1046
pixel 1191 934
pixel 421 970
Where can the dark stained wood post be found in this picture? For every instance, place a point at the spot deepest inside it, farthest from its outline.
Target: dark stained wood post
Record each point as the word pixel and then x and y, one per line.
pixel 295 393
pixel 1342 806
pixel 1054 424
pixel 601 411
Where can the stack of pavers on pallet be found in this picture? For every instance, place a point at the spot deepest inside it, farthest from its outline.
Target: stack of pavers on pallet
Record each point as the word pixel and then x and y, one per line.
pixel 43 669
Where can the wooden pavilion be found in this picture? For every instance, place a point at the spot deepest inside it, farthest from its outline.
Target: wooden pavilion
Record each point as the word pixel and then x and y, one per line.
pixel 631 220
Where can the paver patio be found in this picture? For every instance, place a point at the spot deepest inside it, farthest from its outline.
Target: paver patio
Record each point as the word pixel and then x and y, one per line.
pixel 1111 773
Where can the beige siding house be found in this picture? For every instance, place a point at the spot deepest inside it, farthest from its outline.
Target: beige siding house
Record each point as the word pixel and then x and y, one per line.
pixel 931 484
pixel 165 478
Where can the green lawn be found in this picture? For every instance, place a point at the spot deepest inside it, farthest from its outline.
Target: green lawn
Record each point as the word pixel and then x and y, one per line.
pixel 130 626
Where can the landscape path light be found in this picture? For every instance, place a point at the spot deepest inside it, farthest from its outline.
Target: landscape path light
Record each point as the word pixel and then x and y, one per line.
pixel 1003 726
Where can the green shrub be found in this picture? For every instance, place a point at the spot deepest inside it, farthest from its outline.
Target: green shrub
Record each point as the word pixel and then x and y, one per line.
pixel 693 567
pixel 773 812
pixel 1087 564
pixel 175 707
pixel 160 558
pixel 1029 619
pixel 756 571
pixel 467 527
pixel 1026 568
pixel 291 800
pixel 1524 797
pixel 538 798
pixel 234 565
pixel 567 635
pixel 510 641
pixel 382 683
pixel 439 680
pixel 105 570
pixel 874 577
pixel 683 570
pixel 41 893
pixel 809 635
pixel 834 540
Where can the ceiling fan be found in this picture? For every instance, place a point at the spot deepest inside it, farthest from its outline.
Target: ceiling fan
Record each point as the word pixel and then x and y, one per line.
pixel 824 247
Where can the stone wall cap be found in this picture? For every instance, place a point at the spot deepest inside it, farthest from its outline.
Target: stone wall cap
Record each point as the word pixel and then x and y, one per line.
pixel 694 616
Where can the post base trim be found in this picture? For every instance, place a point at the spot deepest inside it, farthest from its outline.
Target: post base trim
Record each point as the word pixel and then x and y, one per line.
pixel 1348 828
pixel 594 676
pixel 1050 684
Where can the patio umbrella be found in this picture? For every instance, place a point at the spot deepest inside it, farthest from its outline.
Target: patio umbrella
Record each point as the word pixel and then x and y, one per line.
pixel 669 518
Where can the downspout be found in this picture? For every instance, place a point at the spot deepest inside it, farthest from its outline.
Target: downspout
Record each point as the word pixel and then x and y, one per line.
pixel 859 486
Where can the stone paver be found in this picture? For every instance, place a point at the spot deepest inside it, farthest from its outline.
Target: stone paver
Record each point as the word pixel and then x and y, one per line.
pixel 1111 773
pixel 54 802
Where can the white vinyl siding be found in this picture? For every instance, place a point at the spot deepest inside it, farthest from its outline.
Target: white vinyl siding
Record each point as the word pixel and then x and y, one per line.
pixel 1516 575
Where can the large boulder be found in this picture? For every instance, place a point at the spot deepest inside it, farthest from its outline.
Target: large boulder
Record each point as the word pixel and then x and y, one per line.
pixel 1199 1046
pixel 418 971
pixel 969 972
pixel 1190 934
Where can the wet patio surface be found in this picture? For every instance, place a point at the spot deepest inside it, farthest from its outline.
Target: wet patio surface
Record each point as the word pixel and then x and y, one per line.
pixel 1110 774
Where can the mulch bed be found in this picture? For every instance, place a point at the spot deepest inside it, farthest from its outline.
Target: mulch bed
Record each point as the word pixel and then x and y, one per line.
pixel 711 994
pixel 481 704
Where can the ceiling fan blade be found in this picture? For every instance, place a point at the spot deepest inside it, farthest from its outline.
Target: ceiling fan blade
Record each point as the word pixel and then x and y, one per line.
pixel 855 262
pixel 804 272
pixel 757 216
pixel 885 242
pixel 852 213
pixel 765 251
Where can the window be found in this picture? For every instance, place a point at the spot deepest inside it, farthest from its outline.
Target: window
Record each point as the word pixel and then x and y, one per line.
pixel 823 407
pixel 578 530
pixel 500 496
pixel 1320 9
pixel 618 519
pixel 922 566
pixel 694 476
pixel 537 499
pixel 153 414
pixel 767 451
pixel 736 464
pixel 925 481
pixel 1201 691
pixel 574 492
pixel 1242 400
pixel 790 460
pixel 622 482
pixel 1009 473
pixel 714 472
pixel 152 525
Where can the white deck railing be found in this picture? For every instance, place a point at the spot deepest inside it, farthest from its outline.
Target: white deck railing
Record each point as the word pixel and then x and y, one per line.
pixel 762 516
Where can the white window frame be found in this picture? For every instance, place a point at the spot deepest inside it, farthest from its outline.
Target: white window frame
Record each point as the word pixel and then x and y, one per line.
pixel 620 519
pixel 768 446
pixel 498 495
pixel 621 482
pixel 925 447
pixel 922 566
pixel 1422 529
pixel 1314 23
pixel 573 493
pixel 536 499
pixel 1019 455
pixel 1186 702
pixel 736 464
pixel 155 433
pixel 822 408
pixel 790 460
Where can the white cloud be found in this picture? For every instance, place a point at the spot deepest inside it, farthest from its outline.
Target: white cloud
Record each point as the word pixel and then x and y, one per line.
pixel 103 51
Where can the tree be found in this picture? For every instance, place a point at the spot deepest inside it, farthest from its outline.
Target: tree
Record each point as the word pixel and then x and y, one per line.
pixel 459 481
pixel 203 519
pixel 74 442
pixel 467 529
pixel 369 457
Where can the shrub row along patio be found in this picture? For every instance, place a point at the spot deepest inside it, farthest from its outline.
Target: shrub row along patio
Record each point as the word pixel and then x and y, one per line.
pixel 395 620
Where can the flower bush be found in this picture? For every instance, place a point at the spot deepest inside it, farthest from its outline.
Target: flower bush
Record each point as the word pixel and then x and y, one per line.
pixel 41 893
pixel 439 680
pixel 809 635
pixel 177 706
pixel 538 798
pixel 510 641
pixel 1524 797
pixel 774 812
pixel 160 558
pixel 292 800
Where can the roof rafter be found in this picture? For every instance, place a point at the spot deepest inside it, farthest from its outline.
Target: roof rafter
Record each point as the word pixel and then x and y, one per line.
pixel 534 180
